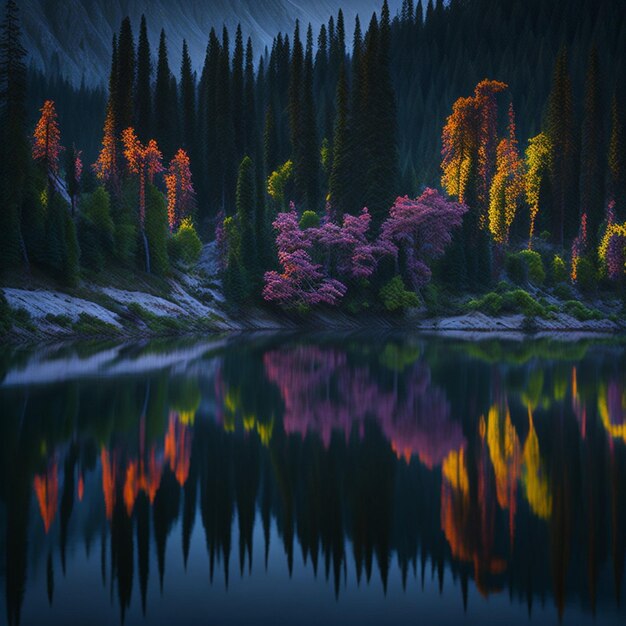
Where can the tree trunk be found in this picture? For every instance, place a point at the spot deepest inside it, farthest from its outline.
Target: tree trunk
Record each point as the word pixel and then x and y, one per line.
pixel 147 249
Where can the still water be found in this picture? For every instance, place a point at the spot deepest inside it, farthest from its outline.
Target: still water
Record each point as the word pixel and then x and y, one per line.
pixel 306 480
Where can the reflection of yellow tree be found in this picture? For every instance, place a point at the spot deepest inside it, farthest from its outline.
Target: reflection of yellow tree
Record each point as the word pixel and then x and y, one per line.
pixel 505 453
pixel 534 476
pixel 611 401
pixel 250 421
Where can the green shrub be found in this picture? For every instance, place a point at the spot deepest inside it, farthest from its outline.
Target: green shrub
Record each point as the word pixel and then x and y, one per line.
pixel 525 267
pixel 309 219
pixel 515 269
pixel 156 231
pixel 185 246
pixel 396 297
pixel 490 304
pixel 125 242
pixel 587 277
pixel 581 312
pixel 64 321
pixel 90 325
pixel 96 231
pixel 519 301
pixel 559 270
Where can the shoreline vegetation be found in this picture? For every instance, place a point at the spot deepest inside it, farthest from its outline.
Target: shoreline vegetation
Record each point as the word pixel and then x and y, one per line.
pixel 224 204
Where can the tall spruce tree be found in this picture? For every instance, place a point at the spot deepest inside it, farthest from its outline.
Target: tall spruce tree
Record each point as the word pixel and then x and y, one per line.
pixel 308 131
pixel 13 146
pixel 237 98
pixel 340 182
pixel 246 202
pixel 164 122
pixel 188 103
pixel 250 120
pixel 212 159
pixel 561 131
pixel 143 108
pixel 227 164
pixel 125 93
pixel 617 157
pixel 592 167
pixel 295 115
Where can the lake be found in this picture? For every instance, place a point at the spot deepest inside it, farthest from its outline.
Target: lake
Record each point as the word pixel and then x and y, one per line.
pixel 293 479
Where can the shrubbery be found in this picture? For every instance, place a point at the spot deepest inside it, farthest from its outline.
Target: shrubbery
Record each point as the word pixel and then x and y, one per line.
pixel 185 246
pixel 396 297
pixel 515 302
pixel 524 267
pixel 157 230
pixel 559 270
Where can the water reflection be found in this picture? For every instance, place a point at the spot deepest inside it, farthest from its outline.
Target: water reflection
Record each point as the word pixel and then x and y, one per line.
pixel 501 464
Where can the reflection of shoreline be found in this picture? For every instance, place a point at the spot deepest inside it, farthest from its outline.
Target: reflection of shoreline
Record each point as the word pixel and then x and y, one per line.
pixel 328 455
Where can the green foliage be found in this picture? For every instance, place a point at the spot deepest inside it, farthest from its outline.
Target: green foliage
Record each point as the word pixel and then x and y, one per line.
pixel 185 246
pixel 278 181
pixel 309 219
pixel 61 255
pixel 157 230
pixel 563 291
pixel 64 321
pixel 96 230
pixel 581 312
pixel 587 276
pixel 524 267
pixel 514 302
pixel 559 270
pixel 396 297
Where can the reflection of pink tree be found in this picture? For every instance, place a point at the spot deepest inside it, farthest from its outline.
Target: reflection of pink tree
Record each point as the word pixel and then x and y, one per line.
pixel 323 393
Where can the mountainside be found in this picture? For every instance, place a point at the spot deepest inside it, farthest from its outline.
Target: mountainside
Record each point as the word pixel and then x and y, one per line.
pixel 73 37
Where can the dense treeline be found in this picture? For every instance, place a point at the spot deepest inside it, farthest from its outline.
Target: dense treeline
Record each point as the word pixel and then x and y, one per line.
pixel 357 123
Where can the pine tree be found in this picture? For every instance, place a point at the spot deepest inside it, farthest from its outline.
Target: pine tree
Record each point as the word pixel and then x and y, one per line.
pixel 308 131
pixel 165 124
pixel 561 132
pixel 125 91
pixel 295 115
pixel 617 158
pixel 270 140
pixel 246 210
pixel 227 170
pixel 144 85
pixel 13 145
pixel 592 168
pixel 250 143
pixel 340 183
pixel 188 103
pixel 238 95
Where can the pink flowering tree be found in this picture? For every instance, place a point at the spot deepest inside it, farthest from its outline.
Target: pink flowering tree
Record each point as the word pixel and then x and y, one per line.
pixel 301 283
pixel 421 229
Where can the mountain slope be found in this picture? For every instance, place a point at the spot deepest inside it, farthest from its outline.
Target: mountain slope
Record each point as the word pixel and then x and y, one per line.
pixel 73 37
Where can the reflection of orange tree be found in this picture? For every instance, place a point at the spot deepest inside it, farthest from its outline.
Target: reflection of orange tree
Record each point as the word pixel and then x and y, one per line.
pixel 47 490
pixel 144 473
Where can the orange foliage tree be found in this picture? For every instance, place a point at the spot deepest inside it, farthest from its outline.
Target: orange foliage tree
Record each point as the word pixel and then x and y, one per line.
pixel 106 167
pixel 47 139
pixel 180 191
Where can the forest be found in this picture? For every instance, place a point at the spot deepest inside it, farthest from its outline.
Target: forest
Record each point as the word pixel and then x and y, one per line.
pixel 458 156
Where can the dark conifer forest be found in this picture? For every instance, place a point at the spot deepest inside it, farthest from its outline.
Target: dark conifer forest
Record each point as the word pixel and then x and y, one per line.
pixel 471 147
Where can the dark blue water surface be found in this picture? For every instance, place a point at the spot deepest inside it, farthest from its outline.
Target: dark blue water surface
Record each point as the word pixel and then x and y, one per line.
pixel 314 480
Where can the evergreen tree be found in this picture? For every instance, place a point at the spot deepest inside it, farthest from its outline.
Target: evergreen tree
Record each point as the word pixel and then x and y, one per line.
pixel 227 168
pixel 125 91
pixel 270 140
pixel 237 98
pixel 561 132
pixel 165 123
pixel 188 103
pixel 308 132
pixel 617 157
pixel 592 168
pixel 295 116
pixel 340 183
pixel 250 121
pixel 13 146
pixel 143 122
pixel 246 212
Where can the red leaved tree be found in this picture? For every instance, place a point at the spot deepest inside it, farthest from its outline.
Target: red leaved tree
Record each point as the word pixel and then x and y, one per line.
pixel 143 161
pixel 180 191
pixel 106 167
pixel 47 139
